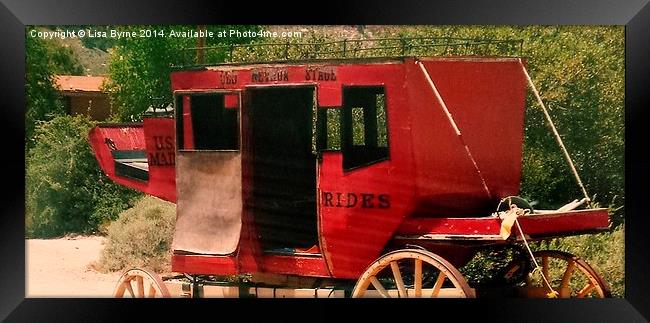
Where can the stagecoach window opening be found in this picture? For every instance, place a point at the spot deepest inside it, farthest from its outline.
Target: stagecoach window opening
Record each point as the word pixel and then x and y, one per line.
pixel 382 132
pixel 329 129
pixel 358 131
pixel 212 125
pixel 364 125
pixel 334 129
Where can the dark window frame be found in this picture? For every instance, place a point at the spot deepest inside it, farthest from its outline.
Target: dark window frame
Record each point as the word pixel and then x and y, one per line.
pixel 179 124
pixel 322 130
pixel 359 156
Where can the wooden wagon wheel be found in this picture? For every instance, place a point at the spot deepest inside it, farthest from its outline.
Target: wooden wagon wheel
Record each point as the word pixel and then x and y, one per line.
pixel 140 283
pixel 570 277
pixel 412 274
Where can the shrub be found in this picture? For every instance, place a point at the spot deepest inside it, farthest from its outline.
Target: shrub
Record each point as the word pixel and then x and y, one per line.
pixel 140 237
pixel 66 191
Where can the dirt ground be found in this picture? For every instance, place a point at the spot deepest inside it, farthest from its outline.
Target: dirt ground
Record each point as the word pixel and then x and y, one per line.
pixel 60 268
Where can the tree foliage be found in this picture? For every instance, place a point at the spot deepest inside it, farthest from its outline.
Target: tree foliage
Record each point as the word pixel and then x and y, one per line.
pixel 66 191
pixel 140 67
pixel 101 43
pixel 44 58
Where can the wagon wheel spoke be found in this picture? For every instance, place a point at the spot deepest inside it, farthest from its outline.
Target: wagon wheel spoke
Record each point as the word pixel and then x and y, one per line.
pixel 379 287
pixel 398 280
pixel 438 285
pixel 388 267
pixel 147 284
pixel 573 277
pixel 511 271
pixel 417 277
pixel 585 290
pixel 140 282
pixel 129 288
pixel 152 291
pixel 566 277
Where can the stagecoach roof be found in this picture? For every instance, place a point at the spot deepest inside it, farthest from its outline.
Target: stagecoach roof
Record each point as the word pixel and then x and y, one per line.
pixel 347 51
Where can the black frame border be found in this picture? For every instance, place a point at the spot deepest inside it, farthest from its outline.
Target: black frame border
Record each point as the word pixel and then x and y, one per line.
pixel 635 15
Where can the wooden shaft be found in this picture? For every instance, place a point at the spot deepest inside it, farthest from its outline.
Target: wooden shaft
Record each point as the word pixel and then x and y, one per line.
pixel 200 46
pixel 557 135
pixel 453 124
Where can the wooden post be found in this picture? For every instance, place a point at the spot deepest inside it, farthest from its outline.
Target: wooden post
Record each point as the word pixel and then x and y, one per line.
pixel 557 135
pixel 200 45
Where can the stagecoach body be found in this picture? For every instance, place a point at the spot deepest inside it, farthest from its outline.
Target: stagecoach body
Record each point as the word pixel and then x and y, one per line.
pixel 318 168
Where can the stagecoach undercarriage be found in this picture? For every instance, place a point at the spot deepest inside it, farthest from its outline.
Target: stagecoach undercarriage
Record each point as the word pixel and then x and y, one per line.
pixel 407 272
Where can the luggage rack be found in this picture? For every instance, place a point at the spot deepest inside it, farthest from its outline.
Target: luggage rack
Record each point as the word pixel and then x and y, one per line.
pixel 348 49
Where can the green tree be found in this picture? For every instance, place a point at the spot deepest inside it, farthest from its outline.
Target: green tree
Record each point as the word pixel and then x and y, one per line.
pixel 140 67
pixel 66 191
pixel 44 58
pixel 102 43
pixel 42 100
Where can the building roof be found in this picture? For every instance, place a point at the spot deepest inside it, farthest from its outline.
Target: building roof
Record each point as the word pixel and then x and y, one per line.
pixel 71 83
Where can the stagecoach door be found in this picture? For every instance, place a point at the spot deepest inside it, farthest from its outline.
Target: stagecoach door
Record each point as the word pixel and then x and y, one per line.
pixel 208 172
pixel 280 152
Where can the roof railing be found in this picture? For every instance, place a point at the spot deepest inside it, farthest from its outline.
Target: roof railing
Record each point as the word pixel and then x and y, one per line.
pixel 350 49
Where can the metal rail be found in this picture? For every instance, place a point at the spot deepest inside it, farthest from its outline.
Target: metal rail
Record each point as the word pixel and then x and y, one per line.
pixel 348 49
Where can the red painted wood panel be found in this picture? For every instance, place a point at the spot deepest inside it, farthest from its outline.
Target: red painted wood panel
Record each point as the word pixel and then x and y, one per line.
pixel 486 99
pixel 538 225
pixel 352 237
pixel 204 264
pixel 290 265
pixel 160 141
pixel 156 136
pixel 125 137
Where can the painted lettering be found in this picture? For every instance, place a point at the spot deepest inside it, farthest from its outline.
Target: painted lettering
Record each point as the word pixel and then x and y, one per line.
pixel 229 78
pixel 328 198
pixel 269 75
pixel 366 201
pixel 384 201
pixel 162 159
pixel 352 200
pixel 164 154
pixel 169 141
pixel 320 74
pixel 338 199
pixel 158 140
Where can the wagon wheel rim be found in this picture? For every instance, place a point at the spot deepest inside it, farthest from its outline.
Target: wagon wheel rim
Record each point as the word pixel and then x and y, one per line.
pixel 140 283
pixel 442 278
pixel 569 276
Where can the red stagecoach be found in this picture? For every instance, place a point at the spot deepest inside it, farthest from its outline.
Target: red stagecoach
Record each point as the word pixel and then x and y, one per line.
pixel 346 177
